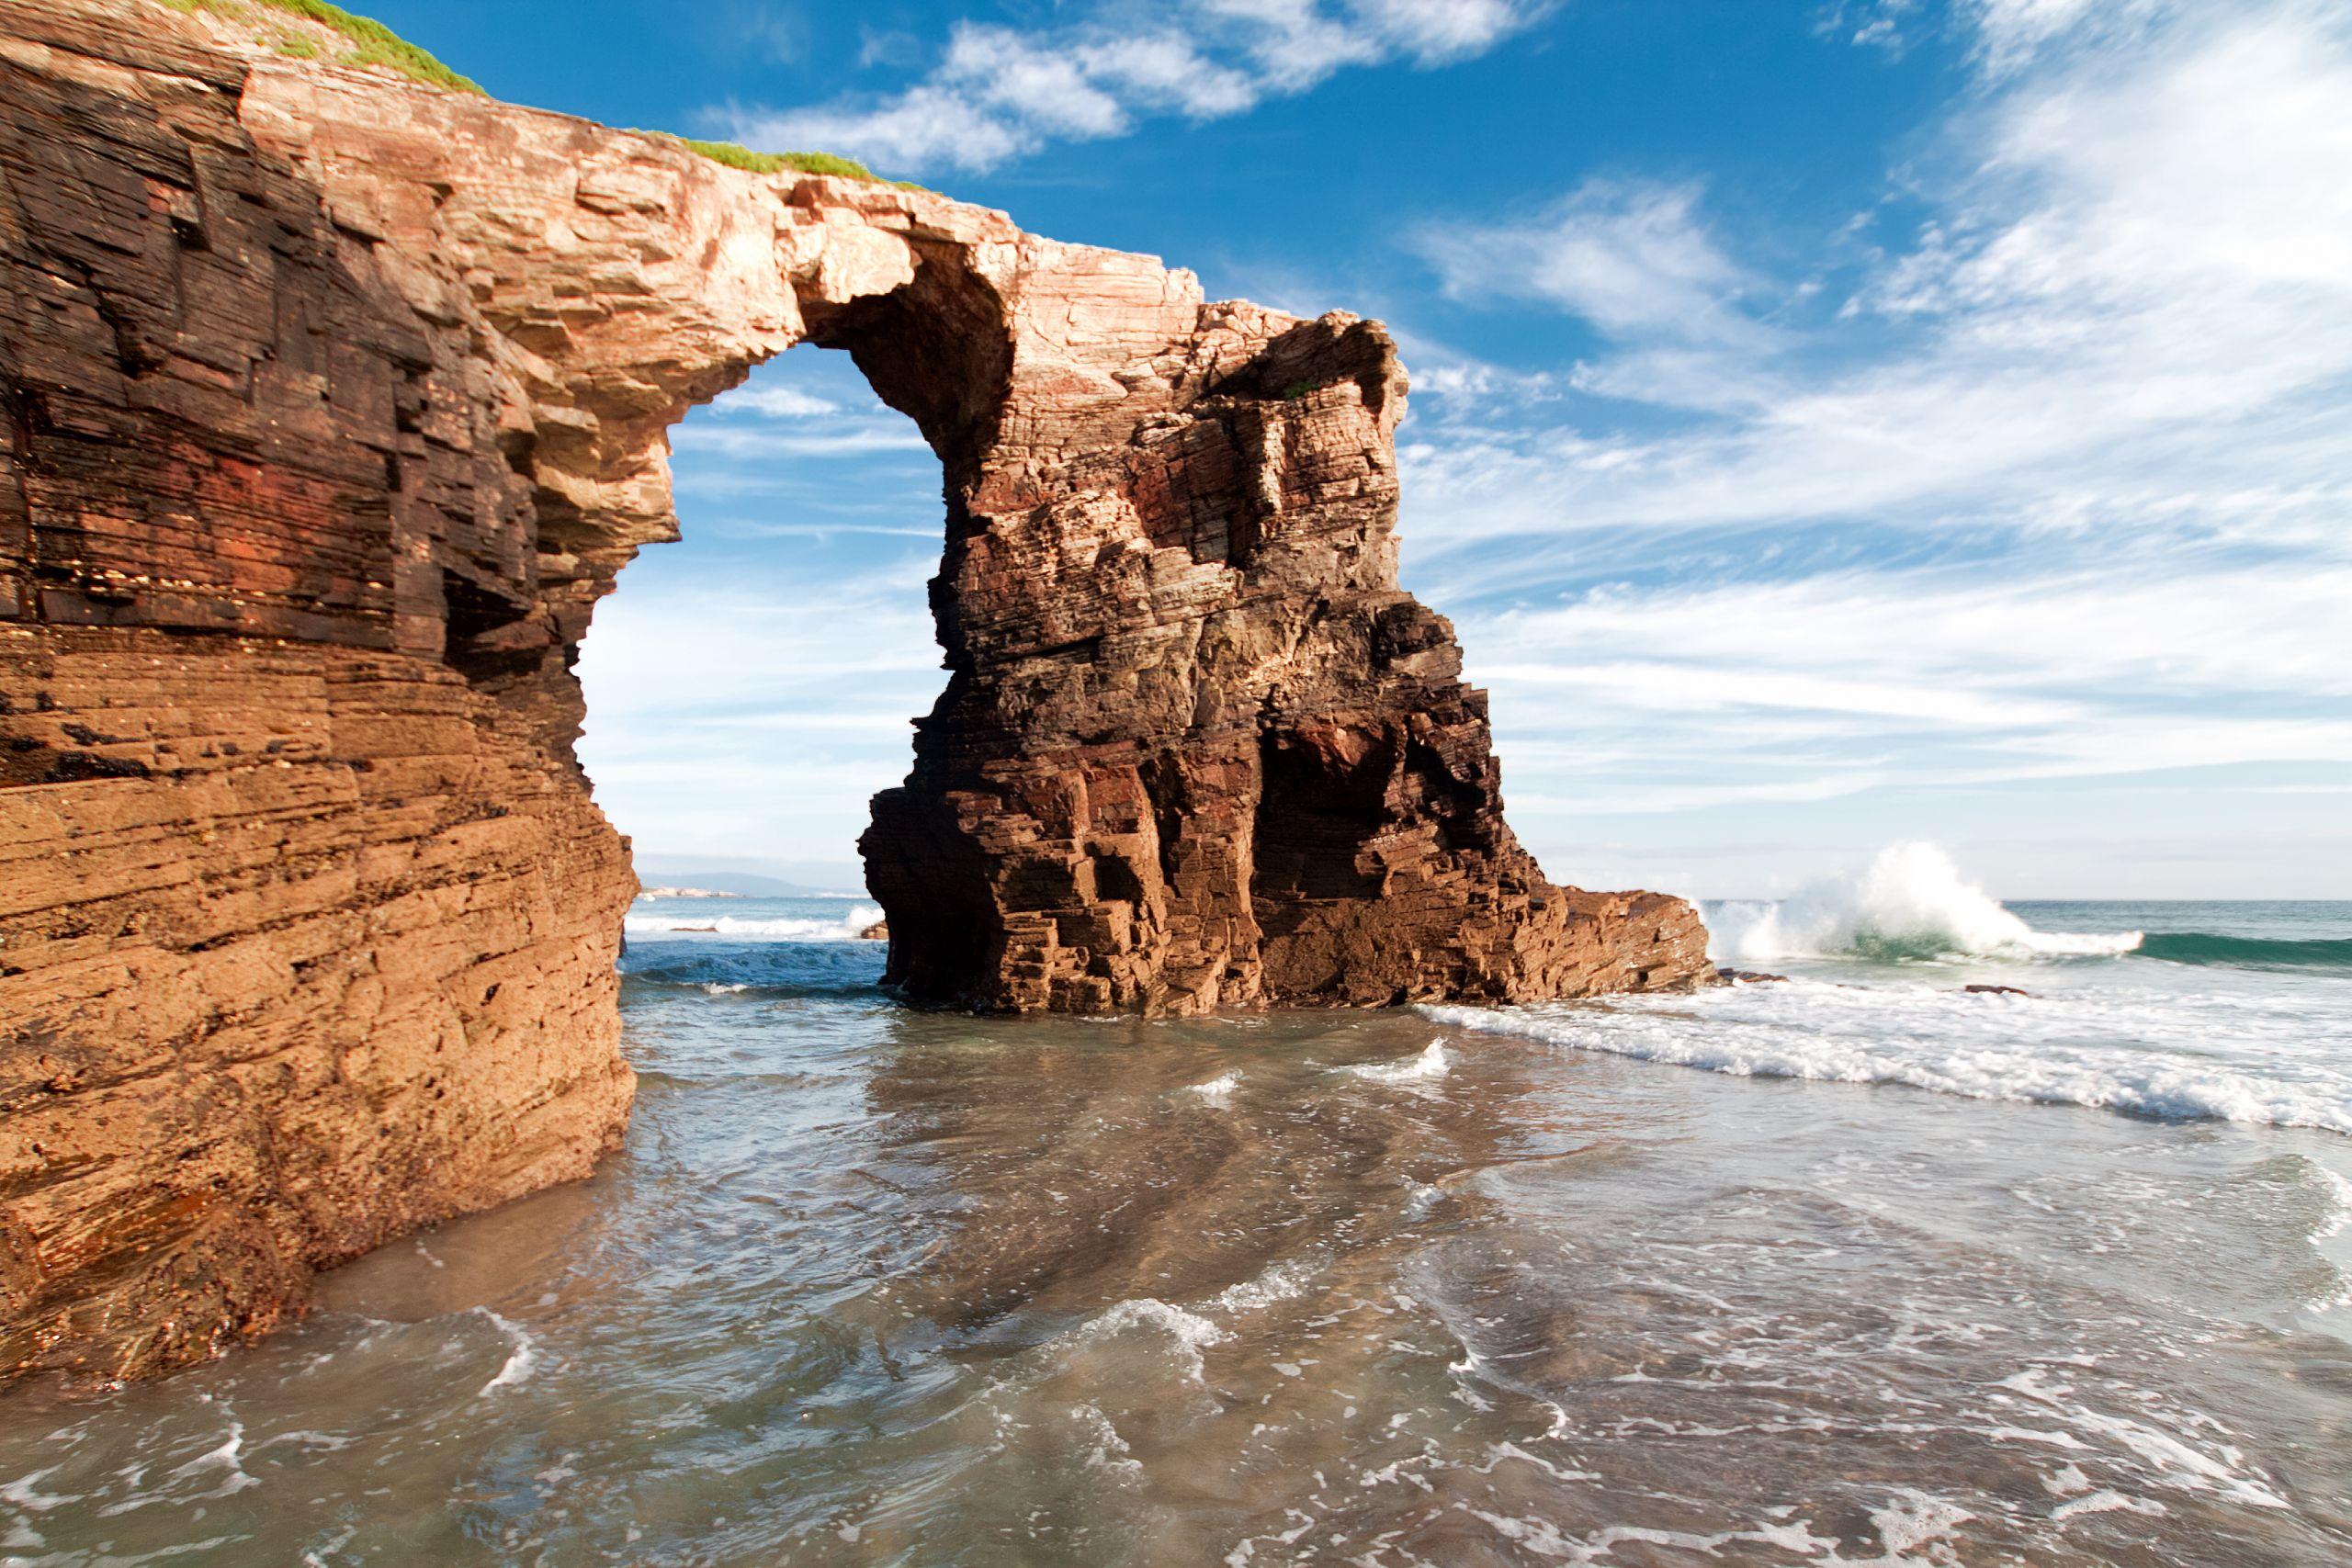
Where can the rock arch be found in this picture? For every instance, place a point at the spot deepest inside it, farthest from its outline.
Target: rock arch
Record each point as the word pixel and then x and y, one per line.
pixel 333 404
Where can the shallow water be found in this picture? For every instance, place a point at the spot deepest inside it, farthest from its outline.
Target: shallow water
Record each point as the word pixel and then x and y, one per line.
pixel 876 1286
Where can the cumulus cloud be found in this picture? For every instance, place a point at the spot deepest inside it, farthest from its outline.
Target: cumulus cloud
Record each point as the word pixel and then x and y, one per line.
pixel 997 93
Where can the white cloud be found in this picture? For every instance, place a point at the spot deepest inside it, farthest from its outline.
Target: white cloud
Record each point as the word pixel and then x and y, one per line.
pixel 2141 283
pixel 2002 35
pixel 779 401
pixel 777 419
pixel 2009 33
pixel 1292 44
pixel 1433 30
pixel 847 439
pixel 886 46
pixel 926 127
pixel 1166 72
pixel 1047 88
pixel 1632 259
pixel 998 93
pixel 1619 700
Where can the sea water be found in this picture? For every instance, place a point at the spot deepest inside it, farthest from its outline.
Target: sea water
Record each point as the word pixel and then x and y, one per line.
pixel 1855 1267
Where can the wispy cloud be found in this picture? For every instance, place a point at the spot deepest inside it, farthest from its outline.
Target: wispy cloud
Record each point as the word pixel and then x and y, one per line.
pixel 1634 260
pixel 997 92
pixel 2139 279
pixel 773 400
pixel 2051 486
pixel 847 440
pixel 779 420
pixel 2002 34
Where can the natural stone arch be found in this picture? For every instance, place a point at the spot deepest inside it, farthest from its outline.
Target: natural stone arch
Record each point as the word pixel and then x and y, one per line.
pixel 334 403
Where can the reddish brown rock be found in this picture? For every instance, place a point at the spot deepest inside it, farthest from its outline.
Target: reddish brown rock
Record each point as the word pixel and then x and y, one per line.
pixel 329 404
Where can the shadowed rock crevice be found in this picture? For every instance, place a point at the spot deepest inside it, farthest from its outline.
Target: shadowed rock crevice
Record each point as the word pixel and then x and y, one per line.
pixel 330 406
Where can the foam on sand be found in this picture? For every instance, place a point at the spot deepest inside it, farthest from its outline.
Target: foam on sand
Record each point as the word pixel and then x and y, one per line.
pixel 2146 1053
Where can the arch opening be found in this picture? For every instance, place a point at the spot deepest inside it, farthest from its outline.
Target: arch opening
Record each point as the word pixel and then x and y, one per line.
pixel 749 685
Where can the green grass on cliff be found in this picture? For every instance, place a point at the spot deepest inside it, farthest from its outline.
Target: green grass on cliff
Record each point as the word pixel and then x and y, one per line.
pixel 370 42
pixel 736 157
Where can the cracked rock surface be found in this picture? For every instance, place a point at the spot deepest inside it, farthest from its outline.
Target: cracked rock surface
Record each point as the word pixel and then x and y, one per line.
pixel 331 404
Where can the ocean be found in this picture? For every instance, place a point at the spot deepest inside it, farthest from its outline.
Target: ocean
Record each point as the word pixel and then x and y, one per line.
pixel 1852 1267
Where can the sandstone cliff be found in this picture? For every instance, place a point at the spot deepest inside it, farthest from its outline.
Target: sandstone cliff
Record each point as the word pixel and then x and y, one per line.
pixel 331 403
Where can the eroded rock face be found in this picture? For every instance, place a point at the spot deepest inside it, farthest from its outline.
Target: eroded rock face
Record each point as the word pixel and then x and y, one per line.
pixel 331 404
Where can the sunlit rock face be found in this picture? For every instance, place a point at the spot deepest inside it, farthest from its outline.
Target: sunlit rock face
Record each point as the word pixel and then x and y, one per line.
pixel 329 405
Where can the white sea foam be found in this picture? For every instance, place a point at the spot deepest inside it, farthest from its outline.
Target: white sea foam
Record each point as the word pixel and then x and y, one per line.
pixel 1218 1090
pixel 2106 1501
pixel 1281 1283
pixel 227 1457
pixel 1188 1333
pixel 780 928
pixel 1911 902
pixel 2338 1213
pixel 1431 1064
pixel 2166 1458
pixel 1913 1519
pixel 2147 1052
pixel 520 1359
pixel 25 1492
pixel 2337 1294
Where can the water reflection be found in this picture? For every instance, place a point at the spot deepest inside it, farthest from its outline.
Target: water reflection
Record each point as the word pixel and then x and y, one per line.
pixel 874 1286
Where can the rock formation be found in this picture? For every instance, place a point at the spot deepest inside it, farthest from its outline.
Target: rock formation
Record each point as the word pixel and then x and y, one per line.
pixel 331 403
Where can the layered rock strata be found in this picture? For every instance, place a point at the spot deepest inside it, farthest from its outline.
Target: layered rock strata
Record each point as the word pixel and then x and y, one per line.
pixel 329 404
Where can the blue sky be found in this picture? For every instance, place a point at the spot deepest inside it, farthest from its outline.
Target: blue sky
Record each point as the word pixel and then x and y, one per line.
pixel 1834 424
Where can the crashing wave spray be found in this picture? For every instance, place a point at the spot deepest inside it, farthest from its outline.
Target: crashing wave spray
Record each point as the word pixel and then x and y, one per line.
pixel 784 929
pixel 1912 902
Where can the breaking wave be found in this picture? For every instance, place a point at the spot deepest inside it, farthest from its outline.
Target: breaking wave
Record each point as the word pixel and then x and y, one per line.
pixel 2247 952
pixel 1911 903
pixel 782 929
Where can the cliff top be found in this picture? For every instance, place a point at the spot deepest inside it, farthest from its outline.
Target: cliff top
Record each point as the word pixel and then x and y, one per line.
pixel 314 29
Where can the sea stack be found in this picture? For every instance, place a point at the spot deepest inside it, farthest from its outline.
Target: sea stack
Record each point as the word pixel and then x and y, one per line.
pixel 331 403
